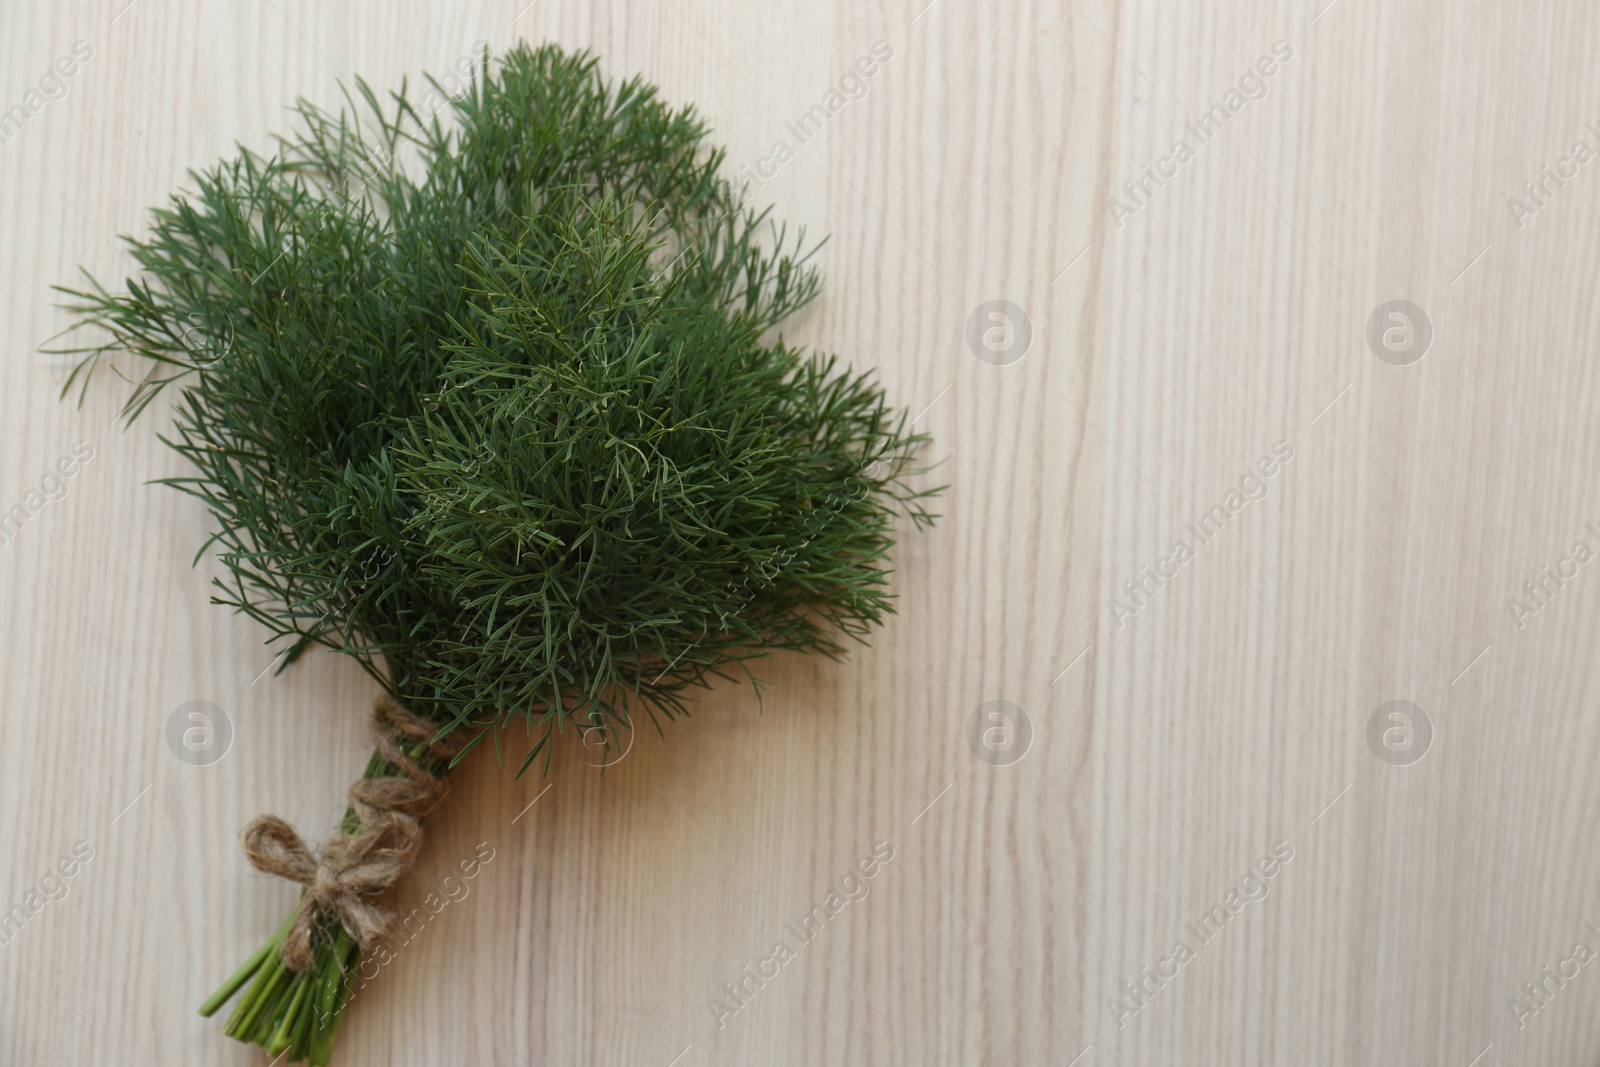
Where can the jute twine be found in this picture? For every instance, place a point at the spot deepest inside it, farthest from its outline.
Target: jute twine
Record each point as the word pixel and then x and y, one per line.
pixel 347 875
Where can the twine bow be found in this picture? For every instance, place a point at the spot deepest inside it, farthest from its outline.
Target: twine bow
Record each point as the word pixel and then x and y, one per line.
pixel 347 875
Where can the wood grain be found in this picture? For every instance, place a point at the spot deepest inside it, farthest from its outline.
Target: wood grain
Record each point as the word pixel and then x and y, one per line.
pixel 1174 343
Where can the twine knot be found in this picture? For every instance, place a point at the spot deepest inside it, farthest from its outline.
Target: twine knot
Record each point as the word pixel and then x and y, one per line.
pixel 346 876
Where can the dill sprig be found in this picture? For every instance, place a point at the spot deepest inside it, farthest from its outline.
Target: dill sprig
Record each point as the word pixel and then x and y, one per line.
pixel 495 403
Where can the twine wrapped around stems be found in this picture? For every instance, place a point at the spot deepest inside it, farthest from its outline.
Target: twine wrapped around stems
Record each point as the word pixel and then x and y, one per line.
pixel 346 876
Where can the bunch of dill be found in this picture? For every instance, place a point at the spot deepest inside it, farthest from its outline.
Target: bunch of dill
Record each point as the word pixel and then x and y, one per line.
pixel 494 404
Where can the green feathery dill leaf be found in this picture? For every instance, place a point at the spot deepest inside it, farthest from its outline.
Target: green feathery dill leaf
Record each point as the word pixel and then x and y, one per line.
pixel 495 405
